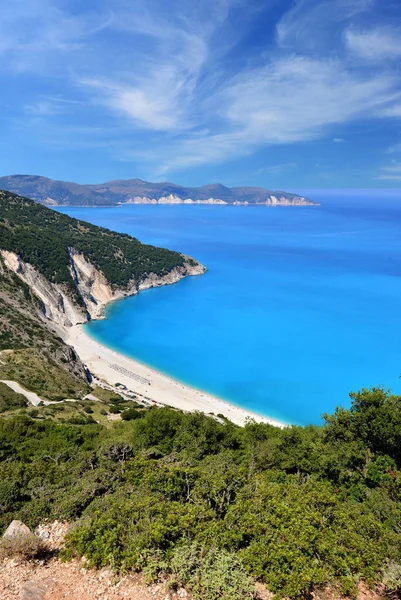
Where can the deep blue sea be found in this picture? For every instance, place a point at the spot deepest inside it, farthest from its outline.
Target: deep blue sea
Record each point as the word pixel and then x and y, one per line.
pixel 299 305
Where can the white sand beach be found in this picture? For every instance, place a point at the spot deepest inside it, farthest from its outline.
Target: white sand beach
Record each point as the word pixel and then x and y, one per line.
pixel 114 367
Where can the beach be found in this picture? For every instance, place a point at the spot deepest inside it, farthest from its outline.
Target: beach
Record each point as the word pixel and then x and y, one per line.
pixel 113 367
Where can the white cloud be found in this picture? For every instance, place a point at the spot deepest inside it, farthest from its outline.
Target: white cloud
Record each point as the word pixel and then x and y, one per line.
pixel 156 73
pixel 391 172
pixel 310 24
pixel 338 140
pixel 159 89
pixel 290 100
pixel 379 44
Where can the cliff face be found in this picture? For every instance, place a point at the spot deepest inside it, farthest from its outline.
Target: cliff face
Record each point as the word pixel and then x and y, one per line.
pixel 56 301
pixel 59 303
pixel 24 327
pixel 271 200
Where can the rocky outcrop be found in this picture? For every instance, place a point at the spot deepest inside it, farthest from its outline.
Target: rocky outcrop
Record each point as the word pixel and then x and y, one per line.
pixel 16 529
pixel 62 307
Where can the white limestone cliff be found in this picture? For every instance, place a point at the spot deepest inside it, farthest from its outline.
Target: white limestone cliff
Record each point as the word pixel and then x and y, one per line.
pixel 59 303
pixel 269 201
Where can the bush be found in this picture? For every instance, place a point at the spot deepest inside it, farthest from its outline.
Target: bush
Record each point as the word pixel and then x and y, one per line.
pixel 210 574
pixel 391 581
pixel 26 546
pixel 130 414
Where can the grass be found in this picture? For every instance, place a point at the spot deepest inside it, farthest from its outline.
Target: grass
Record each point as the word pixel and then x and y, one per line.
pixel 105 395
pixel 37 374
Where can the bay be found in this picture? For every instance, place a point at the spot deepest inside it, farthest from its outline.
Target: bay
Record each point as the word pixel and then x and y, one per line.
pixel 299 305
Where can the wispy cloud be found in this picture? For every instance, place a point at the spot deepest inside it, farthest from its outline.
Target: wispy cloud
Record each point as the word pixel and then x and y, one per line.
pixel 338 140
pixel 381 43
pixel 391 172
pixel 260 107
pixel 41 35
pixel 165 79
pixel 277 169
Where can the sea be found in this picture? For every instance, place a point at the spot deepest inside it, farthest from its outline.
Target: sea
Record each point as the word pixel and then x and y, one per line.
pixel 299 306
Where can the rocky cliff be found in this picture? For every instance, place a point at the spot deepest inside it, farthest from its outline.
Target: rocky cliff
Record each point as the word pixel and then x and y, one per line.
pixel 270 200
pixel 60 305
pixel 27 336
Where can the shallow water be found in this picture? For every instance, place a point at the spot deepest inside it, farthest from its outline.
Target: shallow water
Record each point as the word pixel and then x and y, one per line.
pixel 299 306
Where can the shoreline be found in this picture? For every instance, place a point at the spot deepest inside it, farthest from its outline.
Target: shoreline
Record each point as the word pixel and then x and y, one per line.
pixel 114 367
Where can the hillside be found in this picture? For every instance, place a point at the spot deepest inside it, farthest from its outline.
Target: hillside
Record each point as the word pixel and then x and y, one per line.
pixel 74 267
pixel 56 272
pixel 50 192
pixel 31 351
pixel 212 507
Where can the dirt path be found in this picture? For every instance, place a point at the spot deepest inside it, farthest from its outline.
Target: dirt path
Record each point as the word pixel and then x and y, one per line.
pixel 69 581
pixel 53 580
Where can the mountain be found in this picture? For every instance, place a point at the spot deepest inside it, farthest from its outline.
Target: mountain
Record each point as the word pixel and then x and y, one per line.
pixel 136 191
pixel 50 192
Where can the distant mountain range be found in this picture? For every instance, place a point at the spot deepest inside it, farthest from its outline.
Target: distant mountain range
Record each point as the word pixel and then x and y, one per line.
pixel 136 191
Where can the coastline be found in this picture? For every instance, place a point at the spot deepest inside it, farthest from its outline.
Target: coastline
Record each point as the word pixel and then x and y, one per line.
pixel 102 362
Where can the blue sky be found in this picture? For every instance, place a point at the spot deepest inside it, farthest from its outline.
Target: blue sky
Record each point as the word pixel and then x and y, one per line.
pixel 277 93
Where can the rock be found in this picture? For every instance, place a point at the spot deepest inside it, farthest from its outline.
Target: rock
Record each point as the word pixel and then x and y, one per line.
pixel 16 529
pixel 32 591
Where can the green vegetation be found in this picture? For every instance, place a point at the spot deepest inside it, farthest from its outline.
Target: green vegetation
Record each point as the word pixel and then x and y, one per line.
pixel 106 395
pixel 41 375
pixel 24 546
pixel 43 238
pixel 9 399
pixel 214 506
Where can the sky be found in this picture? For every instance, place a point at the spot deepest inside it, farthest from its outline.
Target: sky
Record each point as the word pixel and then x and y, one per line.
pixel 274 93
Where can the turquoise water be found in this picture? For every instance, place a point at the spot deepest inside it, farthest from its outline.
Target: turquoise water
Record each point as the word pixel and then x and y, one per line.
pixel 299 306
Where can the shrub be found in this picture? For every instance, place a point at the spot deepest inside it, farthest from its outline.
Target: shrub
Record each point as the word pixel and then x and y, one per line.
pixel 210 574
pixel 130 414
pixel 25 546
pixel 391 580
